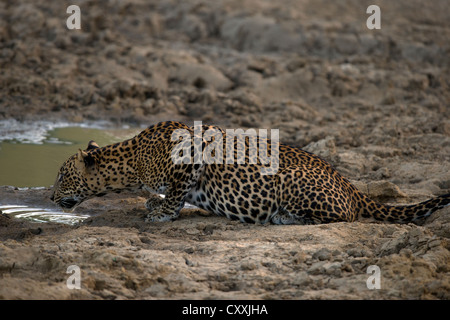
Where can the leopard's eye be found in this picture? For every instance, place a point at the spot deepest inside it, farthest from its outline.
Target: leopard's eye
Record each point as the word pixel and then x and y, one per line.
pixel 61 177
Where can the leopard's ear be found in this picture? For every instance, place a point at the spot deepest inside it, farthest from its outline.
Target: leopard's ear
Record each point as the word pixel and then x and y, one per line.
pixel 92 145
pixel 83 156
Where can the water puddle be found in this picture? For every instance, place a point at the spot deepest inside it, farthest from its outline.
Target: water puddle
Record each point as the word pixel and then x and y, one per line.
pixel 41 215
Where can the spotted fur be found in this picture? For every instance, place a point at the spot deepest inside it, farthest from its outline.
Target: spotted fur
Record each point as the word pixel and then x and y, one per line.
pixel 305 189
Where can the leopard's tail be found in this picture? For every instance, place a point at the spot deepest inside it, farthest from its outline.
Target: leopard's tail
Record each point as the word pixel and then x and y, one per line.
pixel 403 214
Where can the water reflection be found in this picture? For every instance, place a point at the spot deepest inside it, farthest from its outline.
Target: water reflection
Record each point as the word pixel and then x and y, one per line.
pixel 41 215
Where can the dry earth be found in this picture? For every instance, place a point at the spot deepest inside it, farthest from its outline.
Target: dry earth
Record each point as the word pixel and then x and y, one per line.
pixel 375 103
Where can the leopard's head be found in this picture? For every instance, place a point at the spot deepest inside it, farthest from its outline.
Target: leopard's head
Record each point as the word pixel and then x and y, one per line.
pixel 73 183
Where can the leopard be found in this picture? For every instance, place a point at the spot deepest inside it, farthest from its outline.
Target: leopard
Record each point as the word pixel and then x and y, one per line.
pixel 302 189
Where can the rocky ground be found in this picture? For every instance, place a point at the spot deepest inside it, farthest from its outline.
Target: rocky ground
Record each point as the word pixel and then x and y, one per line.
pixel 375 103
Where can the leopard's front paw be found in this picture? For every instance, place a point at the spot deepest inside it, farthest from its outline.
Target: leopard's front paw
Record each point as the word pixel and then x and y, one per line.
pixel 160 216
pixel 157 218
pixel 154 203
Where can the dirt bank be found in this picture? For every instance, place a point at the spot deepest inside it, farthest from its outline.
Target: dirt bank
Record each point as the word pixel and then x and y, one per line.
pixel 375 103
pixel 201 256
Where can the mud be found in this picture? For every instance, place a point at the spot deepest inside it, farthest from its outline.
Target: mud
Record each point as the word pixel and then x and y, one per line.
pixel 375 103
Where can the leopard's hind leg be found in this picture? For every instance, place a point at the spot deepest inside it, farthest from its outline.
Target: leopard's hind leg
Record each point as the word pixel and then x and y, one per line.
pixel 312 196
pixel 285 217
